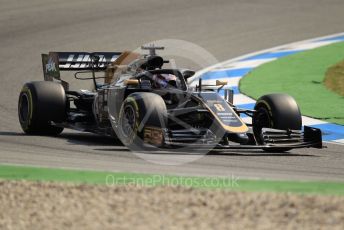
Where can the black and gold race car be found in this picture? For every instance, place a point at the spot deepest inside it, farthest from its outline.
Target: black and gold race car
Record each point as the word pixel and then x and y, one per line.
pixel 144 104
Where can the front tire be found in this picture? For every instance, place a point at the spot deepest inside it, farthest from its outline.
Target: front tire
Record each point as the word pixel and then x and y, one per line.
pixel 39 104
pixel 277 111
pixel 141 113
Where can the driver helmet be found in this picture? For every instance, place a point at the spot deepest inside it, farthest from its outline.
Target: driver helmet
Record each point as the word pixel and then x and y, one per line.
pixel 163 80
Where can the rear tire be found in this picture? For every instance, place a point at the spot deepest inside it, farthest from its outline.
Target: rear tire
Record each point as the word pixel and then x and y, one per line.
pixel 140 111
pixel 277 111
pixel 39 104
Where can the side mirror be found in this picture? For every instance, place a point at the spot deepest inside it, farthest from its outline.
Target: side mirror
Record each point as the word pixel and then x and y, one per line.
pixel 221 83
pixel 187 73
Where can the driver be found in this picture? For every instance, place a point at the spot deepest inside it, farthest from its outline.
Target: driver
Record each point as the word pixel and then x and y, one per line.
pixel 161 81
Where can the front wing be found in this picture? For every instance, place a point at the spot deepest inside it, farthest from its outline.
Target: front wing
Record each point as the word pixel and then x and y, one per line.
pixel 274 139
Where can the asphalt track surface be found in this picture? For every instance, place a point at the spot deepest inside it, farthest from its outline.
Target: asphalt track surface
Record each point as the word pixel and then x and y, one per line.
pixel 225 28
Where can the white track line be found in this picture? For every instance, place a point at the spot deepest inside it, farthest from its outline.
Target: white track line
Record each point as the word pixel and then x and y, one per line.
pixel 241 99
pixel 308 46
pixel 311 121
pixel 244 64
pixel 340 141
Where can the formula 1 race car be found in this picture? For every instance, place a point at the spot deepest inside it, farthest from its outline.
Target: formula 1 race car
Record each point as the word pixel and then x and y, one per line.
pixel 143 104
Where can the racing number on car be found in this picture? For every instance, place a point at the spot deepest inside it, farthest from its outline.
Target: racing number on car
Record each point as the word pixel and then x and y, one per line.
pixel 219 107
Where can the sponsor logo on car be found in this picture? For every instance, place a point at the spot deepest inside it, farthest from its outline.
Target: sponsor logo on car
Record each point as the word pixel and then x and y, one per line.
pixel 50 66
pixel 83 61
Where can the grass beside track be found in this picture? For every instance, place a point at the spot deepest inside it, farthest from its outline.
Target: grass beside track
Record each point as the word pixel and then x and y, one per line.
pixel 302 76
pixel 9 172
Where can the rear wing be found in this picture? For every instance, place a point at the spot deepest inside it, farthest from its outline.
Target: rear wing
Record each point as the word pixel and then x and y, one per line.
pixel 54 62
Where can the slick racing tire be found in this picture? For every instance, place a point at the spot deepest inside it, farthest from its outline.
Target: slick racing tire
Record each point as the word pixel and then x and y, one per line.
pixel 141 119
pixel 277 111
pixel 39 104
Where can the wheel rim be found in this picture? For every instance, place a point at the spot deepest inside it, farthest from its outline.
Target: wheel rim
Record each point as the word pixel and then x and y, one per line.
pixel 24 108
pixel 128 121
